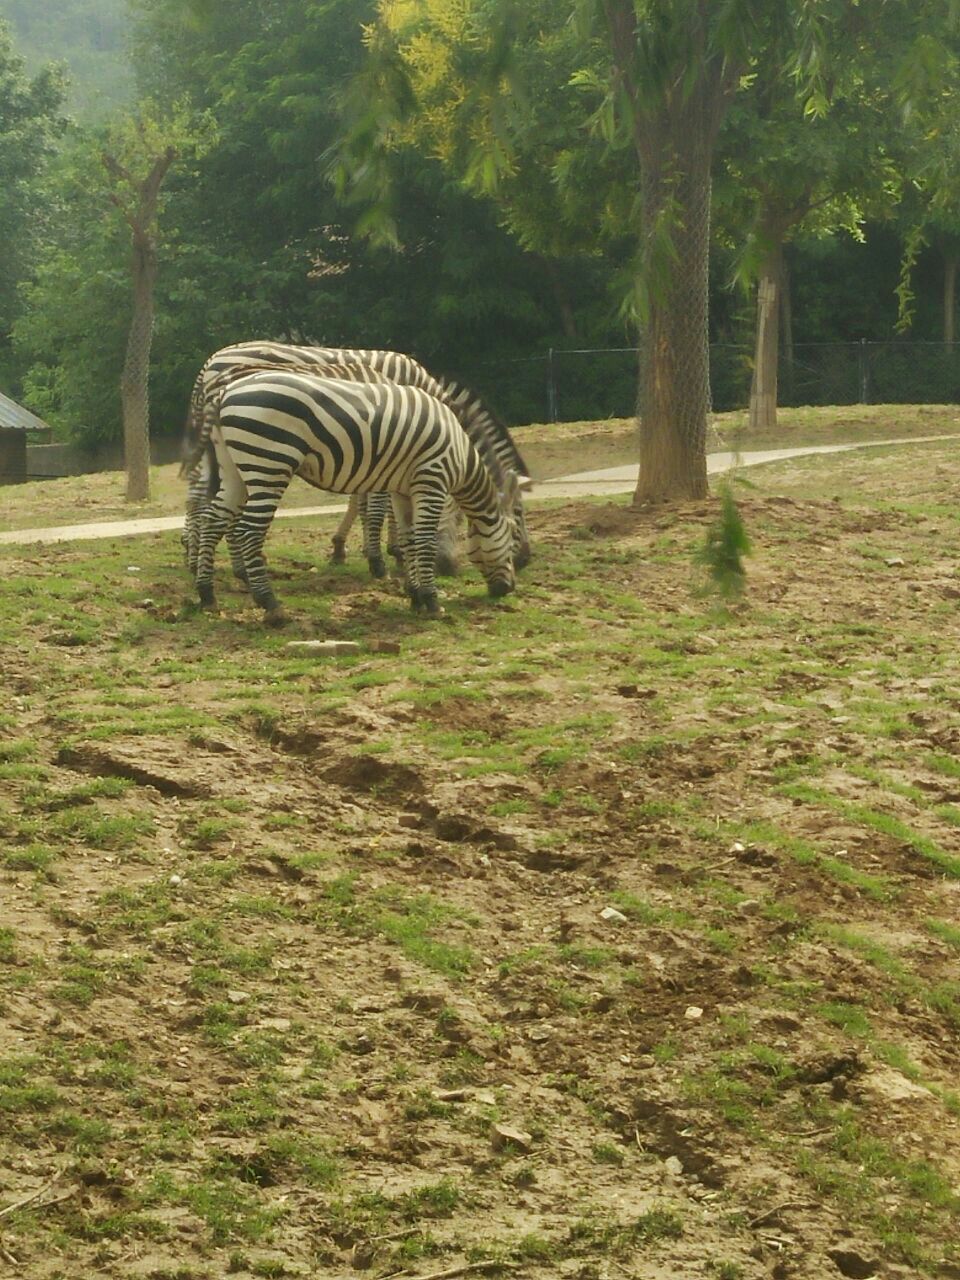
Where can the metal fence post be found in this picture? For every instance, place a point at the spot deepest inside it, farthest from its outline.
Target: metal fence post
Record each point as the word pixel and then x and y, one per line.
pixel 864 373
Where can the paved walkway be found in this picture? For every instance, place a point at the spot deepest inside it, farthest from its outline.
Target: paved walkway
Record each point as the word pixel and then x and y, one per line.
pixel 611 480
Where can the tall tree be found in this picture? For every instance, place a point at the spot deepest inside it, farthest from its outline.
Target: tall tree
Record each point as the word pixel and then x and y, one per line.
pixel 30 123
pixel 785 173
pixel 267 247
pixel 137 158
pixel 663 73
pixel 137 196
pixel 930 212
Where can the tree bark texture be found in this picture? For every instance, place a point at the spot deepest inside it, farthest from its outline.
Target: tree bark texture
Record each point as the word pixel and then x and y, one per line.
pixel 134 393
pixel 674 126
pixel 763 390
pixel 674 385
pixel 786 327
pixel 139 208
pixel 950 264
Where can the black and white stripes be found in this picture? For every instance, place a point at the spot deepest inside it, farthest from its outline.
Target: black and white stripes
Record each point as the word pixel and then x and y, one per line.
pixel 489 435
pixel 350 437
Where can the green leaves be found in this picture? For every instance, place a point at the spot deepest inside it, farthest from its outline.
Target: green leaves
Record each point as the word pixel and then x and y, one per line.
pixel 722 552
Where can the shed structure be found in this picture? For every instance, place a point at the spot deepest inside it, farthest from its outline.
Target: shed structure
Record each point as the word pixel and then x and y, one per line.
pixel 16 424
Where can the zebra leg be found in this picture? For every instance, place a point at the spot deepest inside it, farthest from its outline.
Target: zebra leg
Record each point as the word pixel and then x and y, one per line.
pixel 252 528
pixel 395 541
pixel 237 563
pixel 401 517
pixel 448 537
pixel 339 554
pixel 197 498
pixel 374 509
pixel 214 521
pixel 427 500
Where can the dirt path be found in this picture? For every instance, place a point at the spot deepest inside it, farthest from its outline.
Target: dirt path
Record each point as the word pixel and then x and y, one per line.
pixel 609 480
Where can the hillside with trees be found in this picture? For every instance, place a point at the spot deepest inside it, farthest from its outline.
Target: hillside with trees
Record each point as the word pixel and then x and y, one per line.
pixel 90 37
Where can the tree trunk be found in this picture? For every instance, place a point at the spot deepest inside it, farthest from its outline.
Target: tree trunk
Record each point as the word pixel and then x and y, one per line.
pixel 134 393
pixel 786 328
pixel 674 389
pixel 137 200
pixel 568 317
pixel 763 391
pixel 950 265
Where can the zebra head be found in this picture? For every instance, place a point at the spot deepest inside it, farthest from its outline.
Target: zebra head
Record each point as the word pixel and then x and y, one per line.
pixel 490 549
pixel 510 494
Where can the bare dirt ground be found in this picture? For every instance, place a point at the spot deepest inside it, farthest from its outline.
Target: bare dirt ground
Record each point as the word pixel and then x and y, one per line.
pixel 605 932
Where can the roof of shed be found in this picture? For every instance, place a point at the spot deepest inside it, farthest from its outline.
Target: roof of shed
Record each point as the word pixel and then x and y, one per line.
pixel 14 417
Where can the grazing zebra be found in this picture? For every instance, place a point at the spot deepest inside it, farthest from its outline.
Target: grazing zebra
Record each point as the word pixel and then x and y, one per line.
pixel 490 436
pixel 353 437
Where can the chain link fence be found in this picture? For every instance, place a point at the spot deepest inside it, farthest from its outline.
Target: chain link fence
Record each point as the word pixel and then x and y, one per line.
pixel 596 383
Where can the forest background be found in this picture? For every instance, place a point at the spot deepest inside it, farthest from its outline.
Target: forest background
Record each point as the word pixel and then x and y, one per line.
pixel 254 239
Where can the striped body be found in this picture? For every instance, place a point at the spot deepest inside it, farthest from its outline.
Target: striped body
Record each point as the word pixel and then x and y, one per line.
pixel 490 436
pixel 351 437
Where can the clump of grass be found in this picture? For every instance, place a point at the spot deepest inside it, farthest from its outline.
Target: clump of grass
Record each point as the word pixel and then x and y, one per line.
pixel 721 554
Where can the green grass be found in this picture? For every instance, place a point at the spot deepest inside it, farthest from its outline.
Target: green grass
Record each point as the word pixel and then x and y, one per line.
pixel 302 999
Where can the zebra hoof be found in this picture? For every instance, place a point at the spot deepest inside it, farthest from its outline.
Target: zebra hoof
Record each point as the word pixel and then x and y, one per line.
pixel 426 602
pixel 207 599
pixel 339 553
pixel 378 567
pixel 276 617
pixel 447 567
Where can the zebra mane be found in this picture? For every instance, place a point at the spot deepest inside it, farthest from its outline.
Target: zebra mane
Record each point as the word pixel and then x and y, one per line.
pixel 471 407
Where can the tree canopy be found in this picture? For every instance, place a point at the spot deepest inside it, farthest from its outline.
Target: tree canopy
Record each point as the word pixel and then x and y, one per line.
pixel 513 178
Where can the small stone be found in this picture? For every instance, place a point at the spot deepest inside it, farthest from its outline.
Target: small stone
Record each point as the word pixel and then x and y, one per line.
pixel 322 648
pixel 175 880
pixel 737 847
pixel 894 562
pixel 238 997
pixel 693 1013
pixel 503 1136
pixel 611 913
pixel 748 907
pixel 274 1024
pixel 673 1167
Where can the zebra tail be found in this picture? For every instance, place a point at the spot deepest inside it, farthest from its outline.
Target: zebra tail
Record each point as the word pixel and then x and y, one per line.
pixel 213 468
pixel 193 445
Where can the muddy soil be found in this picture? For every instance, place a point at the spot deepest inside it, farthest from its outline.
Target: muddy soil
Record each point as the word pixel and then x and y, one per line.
pixel 604 934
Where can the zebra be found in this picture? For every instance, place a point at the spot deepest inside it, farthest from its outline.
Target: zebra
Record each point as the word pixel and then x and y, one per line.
pixel 355 437
pixel 490 436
